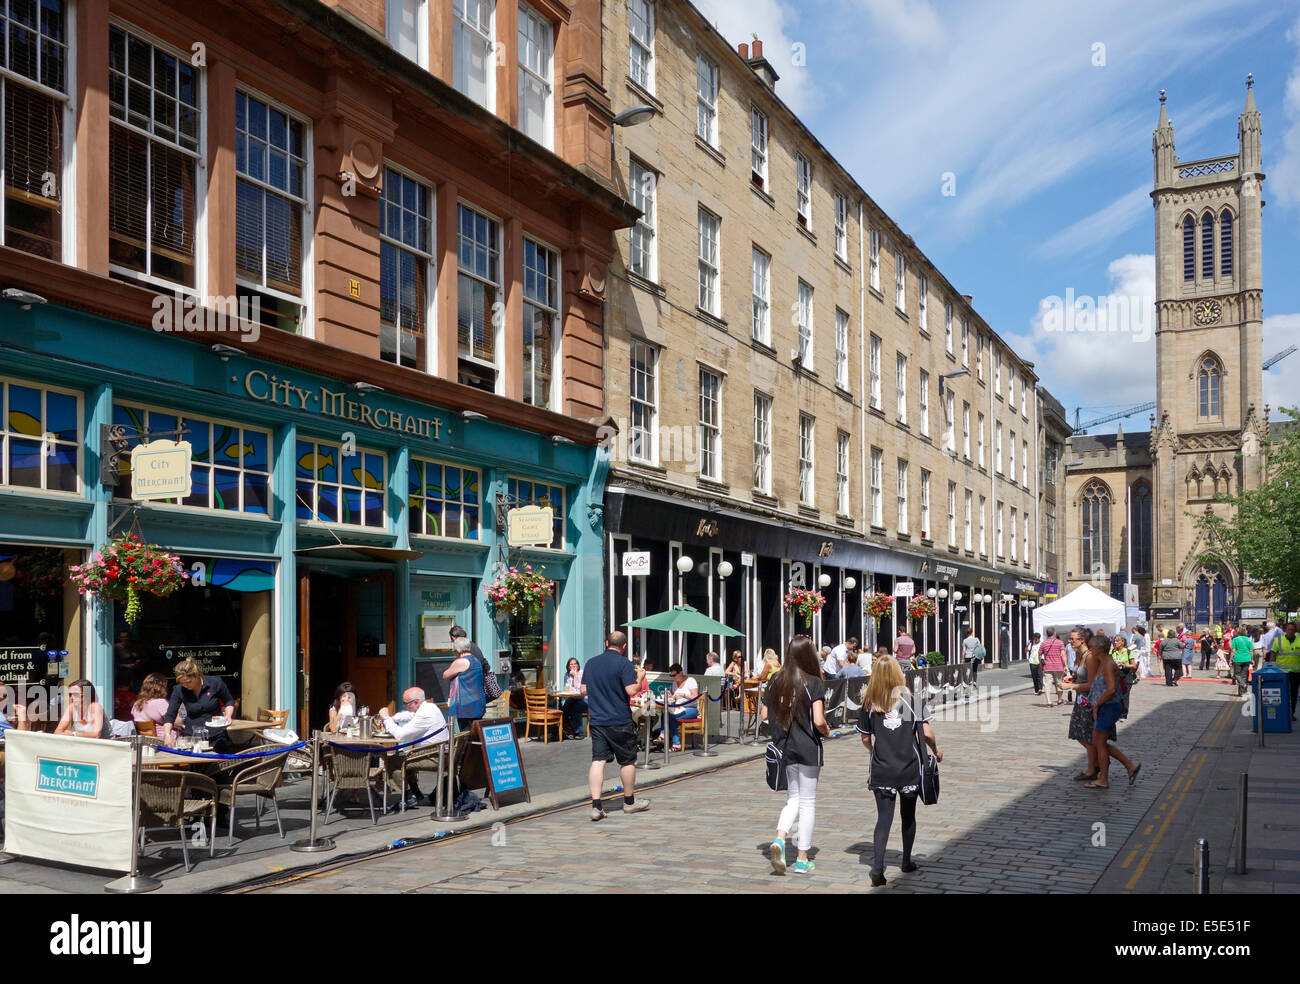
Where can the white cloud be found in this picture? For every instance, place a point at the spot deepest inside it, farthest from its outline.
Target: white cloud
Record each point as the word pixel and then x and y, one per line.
pixel 1280 332
pixel 1285 174
pixel 739 20
pixel 914 23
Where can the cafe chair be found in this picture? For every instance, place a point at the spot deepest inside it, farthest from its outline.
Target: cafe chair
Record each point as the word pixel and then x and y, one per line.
pixel 274 719
pixel 422 758
pixel 172 799
pixel 692 726
pixel 350 771
pixel 259 777
pixel 542 715
pixel 145 728
pixel 499 708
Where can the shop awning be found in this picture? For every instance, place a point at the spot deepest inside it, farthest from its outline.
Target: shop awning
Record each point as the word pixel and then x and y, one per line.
pixel 358 551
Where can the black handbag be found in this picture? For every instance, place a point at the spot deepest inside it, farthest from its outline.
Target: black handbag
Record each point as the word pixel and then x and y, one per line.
pixel 491 689
pixel 776 780
pixel 929 792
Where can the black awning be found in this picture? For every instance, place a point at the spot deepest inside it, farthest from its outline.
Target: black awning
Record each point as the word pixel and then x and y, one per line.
pixel 358 551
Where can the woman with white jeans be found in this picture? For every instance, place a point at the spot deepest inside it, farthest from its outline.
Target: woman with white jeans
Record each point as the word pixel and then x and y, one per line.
pixel 794 706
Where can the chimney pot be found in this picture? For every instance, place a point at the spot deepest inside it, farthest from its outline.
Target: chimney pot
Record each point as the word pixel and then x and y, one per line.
pixel 968 299
pixel 758 48
pixel 744 50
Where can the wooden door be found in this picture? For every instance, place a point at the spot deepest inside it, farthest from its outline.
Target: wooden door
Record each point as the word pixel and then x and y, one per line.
pixel 370 650
pixel 304 653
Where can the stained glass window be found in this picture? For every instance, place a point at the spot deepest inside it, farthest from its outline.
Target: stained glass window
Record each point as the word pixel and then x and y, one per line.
pixel 444 500
pixel 40 437
pixel 337 484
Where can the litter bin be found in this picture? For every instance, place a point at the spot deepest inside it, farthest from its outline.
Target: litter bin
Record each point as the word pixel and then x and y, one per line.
pixel 1272 700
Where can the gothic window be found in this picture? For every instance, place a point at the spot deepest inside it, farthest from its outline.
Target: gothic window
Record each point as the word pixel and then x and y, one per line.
pixel 1209 381
pixel 1095 505
pixel 1142 528
pixel 1207 245
pixel 1224 484
pixel 1189 249
pixel 1225 243
pixel 1194 478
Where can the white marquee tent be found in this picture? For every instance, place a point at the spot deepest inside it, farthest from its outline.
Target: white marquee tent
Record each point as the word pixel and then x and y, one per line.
pixel 1085 606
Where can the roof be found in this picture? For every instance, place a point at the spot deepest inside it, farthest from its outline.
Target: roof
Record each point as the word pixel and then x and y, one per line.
pixel 1137 441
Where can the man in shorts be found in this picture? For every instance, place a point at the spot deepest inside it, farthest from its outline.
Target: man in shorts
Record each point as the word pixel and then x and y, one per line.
pixel 608 682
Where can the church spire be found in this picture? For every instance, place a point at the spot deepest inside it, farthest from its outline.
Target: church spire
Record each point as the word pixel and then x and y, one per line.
pixel 1162 146
pixel 1249 129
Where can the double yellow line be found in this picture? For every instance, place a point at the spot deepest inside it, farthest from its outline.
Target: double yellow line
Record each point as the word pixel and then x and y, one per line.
pixel 1186 780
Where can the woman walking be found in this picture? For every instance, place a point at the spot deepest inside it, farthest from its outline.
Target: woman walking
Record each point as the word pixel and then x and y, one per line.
pixel 1035 667
pixel 794 707
pixel 887 724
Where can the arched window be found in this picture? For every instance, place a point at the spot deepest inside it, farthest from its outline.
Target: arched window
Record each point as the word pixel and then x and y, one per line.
pixel 1209 378
pixel 1189 249
pixel 1207 245
pixel 1225 243
pixel 1095 505
pixel 1142 527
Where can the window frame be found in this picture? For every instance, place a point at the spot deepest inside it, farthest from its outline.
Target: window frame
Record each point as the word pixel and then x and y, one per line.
pixel 412 497
pixel 877 487
pixel 805 323
pixel 843 452
pixel 841 348
pixel 710 431
pixel 340 486
pixel 922 292
pixel 900 387
pixel 762 443
pixel 703 264
pixel 874 348
pixel 497 325
pixel 758 147
pixel 968 519
pixel 807 438
pixel 645 44
pixel 803 191
pixel 459 27
pixel 429 259
pixel 902 495
pixel 842 226
pixel 900 281
pixel 760 325
pixel 526 72
pixel 561 518
pixel 952 514
pixel 649 206
pixel 706 108
pixel 392 30
pixel 555 387
pixel 46 439
pixel 651 405
pixel 873 255
pixel 923 395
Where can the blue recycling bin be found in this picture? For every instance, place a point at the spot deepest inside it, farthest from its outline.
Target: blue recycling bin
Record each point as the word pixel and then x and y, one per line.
pixel 1272 700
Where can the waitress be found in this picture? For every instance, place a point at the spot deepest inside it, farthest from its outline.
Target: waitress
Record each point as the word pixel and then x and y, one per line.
pixel 203 697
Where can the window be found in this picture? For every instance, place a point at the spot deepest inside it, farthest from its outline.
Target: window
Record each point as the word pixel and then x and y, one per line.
pixel 406 269
pixel 1024 540
pixel 336 488
pixel 1225 243
pixel 1189 249
pixel 478 287
pixel 154 148
pixel 1207 245
pixel 1051 535
pixel 536 72
pixel 526 493
pixel 902 495
pixel 1024 463
pixel 1141 528
pixel 952 514
pixel 997 529
pixel 762 443
pixel 967 515
pixel 981 440
pixel 230 465
pixel 805 326
pixel 1024 400
pixel 1208 383
pixel 758 148
pixel 541 334
pixel 874 254
pixel 641 41
pixel 710 425
pixel 407 29
pixel 1011 387
pixel 804 194
pixel 841 227
pixel 1011 451
pixel 925 505
pixel 474 50
pixel 900 282
pixel 949 423
pixel 925 403
pixel 997 371
pixel 997 449
pixel 1013 534
pixel 965 430
pixel 32 149
pixel 709 225
pixel 841 349
pixel 875 372
pixel 979 356
pixel 1095 507
pixel 947 328
pixel 983 538
pixel 807 494
pixel 900 383
pixel 923 287
pixel 877 483
pixel 644 445
pixel 965 336
pixel 444 500
pixel 706 100
pixel 760 292
pixel 41 439
pixel 641 246
pixel 841 473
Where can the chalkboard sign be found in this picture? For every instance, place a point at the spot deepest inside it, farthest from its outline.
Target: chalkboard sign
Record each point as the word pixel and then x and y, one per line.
pixel 428 677
pixel 506 781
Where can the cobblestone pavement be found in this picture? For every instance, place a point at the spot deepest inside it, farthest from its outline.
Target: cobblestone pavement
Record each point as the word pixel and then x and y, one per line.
pixel 1010 819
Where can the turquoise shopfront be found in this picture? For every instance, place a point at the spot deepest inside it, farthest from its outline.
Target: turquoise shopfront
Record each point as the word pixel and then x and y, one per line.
pixel 333 531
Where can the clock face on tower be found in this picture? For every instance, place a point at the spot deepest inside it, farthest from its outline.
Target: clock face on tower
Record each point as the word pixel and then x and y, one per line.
pixel 1208 312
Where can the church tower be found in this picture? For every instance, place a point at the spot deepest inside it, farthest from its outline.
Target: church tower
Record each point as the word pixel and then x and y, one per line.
pixel 1210 423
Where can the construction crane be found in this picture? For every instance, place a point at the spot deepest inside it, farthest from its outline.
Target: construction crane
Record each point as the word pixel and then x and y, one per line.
pixel 1083 428
pixel 1279 357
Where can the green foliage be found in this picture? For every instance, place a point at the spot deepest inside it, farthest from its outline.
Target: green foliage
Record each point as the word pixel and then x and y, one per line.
pixel 935 658
pixel 1260 536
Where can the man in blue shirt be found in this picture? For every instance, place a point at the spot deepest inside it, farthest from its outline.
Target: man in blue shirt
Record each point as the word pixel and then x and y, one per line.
pixel 608 681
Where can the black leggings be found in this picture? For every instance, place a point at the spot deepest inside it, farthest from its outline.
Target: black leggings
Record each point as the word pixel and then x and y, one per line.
pixel 885 820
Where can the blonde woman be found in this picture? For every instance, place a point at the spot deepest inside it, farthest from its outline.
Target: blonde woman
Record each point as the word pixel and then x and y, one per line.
pixel 771 665
pixel 887 724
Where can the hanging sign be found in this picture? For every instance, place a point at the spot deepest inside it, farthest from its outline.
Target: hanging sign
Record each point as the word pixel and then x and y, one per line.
pixel 160 470
pixel 636 563
pixel 904 589
pixel 530 526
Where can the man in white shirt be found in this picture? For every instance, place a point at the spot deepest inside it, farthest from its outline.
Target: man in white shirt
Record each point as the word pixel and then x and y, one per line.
pixel 421 722
pixel 684 689
pixel 715 665
pixel 841 652
pixel 830 665
pixel 1274 630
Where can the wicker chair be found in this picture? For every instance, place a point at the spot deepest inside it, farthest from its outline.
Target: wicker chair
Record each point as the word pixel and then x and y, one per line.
pixel 258 777
pixel 170 799
pixel 542 715
pixel 274 719
pixel 350 771
pixel 423 758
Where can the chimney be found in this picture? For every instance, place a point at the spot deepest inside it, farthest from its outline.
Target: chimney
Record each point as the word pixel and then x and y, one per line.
pixel 761 66
pixel 970 301
pixel 744 50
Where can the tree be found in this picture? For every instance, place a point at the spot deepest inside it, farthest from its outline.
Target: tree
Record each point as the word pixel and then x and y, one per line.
pixel 1260 534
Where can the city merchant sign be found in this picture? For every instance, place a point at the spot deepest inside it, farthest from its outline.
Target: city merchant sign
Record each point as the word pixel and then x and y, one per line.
pixel 340 405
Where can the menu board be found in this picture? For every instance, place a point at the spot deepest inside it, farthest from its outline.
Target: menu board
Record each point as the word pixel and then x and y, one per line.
pixel 22 664
pixel 506 781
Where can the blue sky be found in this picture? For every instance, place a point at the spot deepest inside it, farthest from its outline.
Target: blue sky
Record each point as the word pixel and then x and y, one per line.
pixel 1043 110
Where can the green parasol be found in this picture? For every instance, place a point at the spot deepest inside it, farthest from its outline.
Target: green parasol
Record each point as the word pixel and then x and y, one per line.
pixel 684 618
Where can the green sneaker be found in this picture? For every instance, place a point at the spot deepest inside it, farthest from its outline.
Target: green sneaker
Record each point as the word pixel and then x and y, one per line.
pixel 776 852
pixel 804 867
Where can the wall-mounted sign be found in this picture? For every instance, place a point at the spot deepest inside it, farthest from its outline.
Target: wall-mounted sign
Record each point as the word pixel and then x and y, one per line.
pixel 1253 614
pixel 219 659
pixel 20 664
pixel 707 527
pixel 435 633
pixel 746 560
pixel 946 570
pixel 827 549
pixel 329 403
pixel 160 470
pixel 904 589
pixel 530 526
pixel 1168 613
pixel 636 563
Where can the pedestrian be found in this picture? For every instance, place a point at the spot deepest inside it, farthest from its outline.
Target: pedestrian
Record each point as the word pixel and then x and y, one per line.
pixel 1140 646
pixel 972 651
pixel 1189 653
pixel 841 652
pixel 1126 664
pixel 1207 650
pixel 467 701
pixel 1080 728
pixel 608 681
pixel 904 647
pixel 830 665
pixel 1243 653
pixel 1035 664
pixel 1105 705
pixel 887 724
pixel 794 707
pixel 1286 649
pixel 1258 650
pixel 1271 631
pixel 1052 655
pixel 1171 654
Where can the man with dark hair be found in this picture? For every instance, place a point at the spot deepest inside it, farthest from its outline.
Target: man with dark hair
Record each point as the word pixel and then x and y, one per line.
pixel 456 632
pixel 608 682
pixel 1052 654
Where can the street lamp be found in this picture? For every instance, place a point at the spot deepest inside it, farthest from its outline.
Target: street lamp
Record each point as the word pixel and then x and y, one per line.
pixel 684 566
pixel 633 116
pixel 943 592
pixel 824 581
pixel 850 584
pixel 931 593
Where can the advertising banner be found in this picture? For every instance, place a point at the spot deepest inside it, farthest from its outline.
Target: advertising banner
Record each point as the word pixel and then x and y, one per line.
pixel 68 799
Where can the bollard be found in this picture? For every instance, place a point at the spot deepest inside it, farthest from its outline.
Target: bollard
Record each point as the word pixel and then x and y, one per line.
pixel 313 844
pixel 134 883
pixel 1201 876
pixel 704 726
pixel 1243 790
pixel 447 810
pixel 647 764
pixel 668 733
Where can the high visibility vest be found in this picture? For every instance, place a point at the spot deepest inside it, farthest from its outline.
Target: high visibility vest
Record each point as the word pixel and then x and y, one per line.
pixel 1288 653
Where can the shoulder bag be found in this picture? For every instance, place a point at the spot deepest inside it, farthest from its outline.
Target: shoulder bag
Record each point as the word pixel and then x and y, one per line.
pixel 776 780
pixel 929 792
pixel 491 689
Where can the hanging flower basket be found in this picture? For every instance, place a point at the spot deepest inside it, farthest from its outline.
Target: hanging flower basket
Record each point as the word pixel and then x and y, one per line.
pixel 523 593
pixel 878 605
pixel 126 568
pixel 920 607
pixel 807 603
